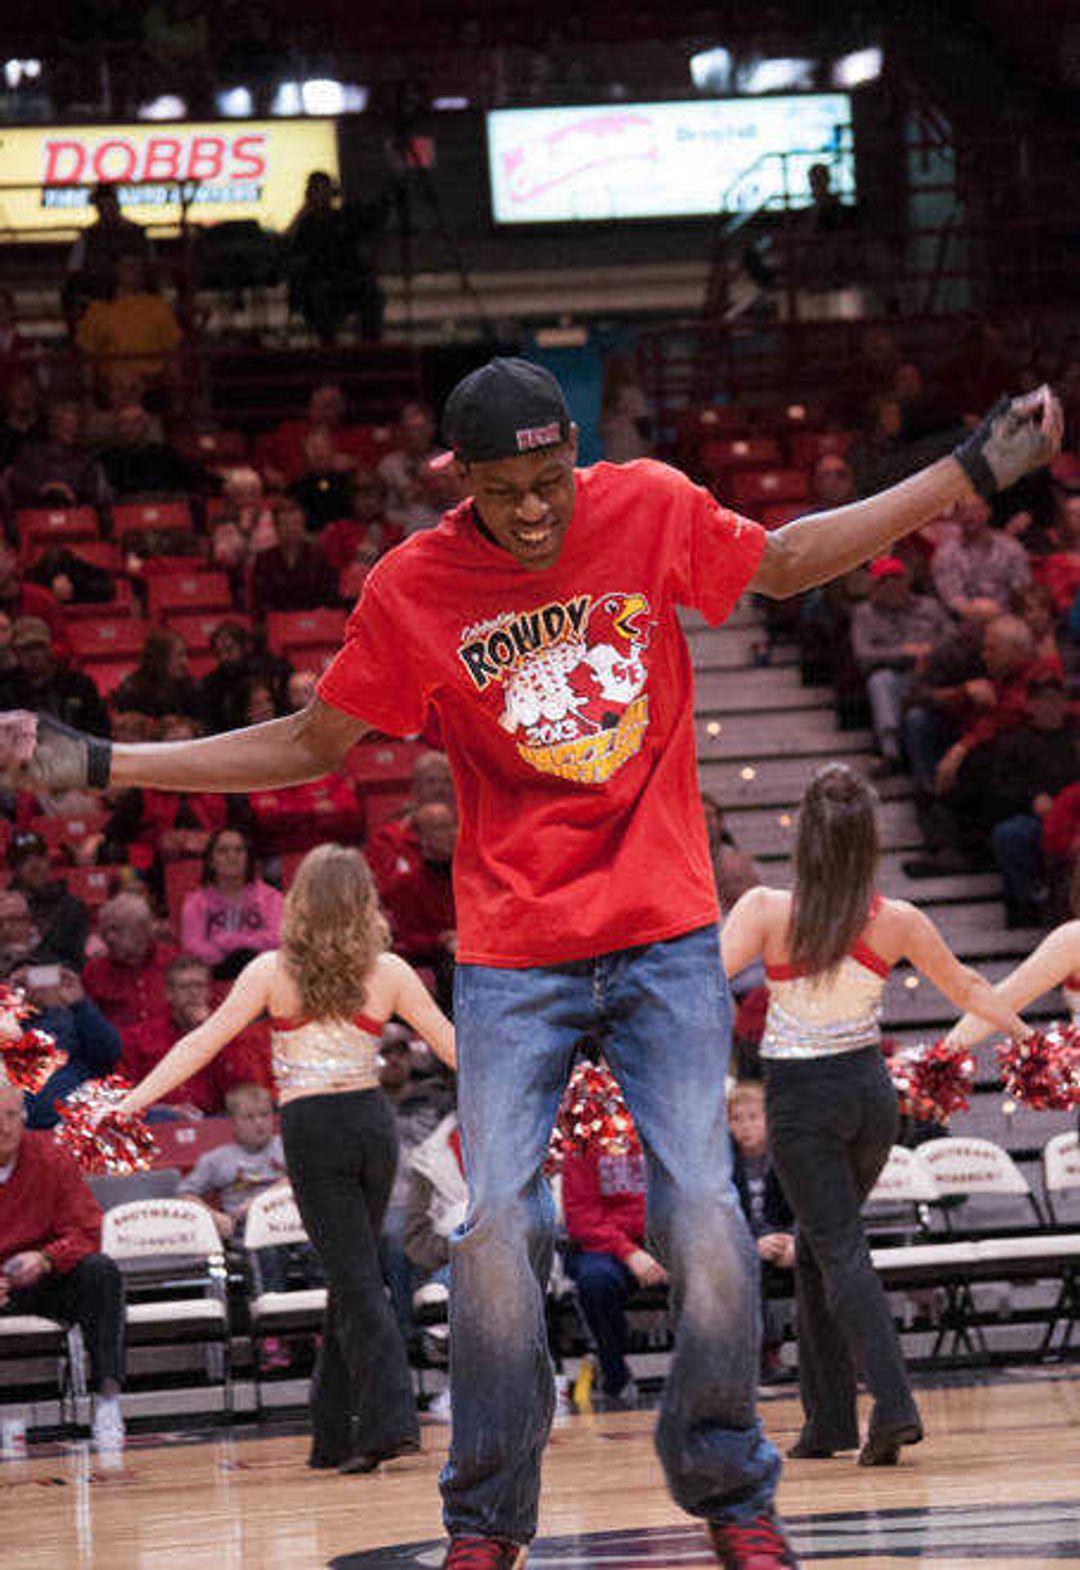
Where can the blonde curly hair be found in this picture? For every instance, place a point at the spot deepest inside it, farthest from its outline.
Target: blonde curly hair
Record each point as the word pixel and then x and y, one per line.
pixel 332 931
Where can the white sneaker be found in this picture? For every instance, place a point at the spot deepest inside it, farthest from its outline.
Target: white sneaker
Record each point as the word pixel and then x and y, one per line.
pixel 107 1432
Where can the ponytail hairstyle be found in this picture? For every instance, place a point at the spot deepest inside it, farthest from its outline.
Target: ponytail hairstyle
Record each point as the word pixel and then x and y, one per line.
pixel 836 856
pixel 332 931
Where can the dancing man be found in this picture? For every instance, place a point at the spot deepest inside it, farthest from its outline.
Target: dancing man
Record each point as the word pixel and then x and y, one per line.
pixel 538 622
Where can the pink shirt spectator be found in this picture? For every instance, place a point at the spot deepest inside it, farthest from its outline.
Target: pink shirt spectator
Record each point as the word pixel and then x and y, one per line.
pixel 213 925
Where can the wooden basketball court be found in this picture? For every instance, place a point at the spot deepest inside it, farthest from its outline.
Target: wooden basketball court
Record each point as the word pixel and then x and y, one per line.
pixel 997 1482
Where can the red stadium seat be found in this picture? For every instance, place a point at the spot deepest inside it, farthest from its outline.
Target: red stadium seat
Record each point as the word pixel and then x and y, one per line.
pixel 133 518
pixel 107 637
pixel 720 456
pixel 806 447
pixel 92 885
pixel 108 674
pixel 290 631
pixel 197 628
pixel 99 553
pixel 755 488
pixel 187 591
pixel 121 604
pixel 382 805
pixel 180 878
pixel 67 833
pixel 39 527
pixel 783 512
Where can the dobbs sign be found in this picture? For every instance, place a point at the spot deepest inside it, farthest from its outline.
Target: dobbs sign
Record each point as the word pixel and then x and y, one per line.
pixel 223 169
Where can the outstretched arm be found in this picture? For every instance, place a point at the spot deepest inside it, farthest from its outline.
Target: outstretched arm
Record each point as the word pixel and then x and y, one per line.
pixel 965 988
pixel 36 753
pixel 418 1008
pixel 1056 958
pixel 742 936
pixel 1014 439
pixel 247 999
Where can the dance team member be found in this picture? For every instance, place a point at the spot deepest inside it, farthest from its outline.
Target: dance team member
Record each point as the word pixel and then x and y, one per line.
pixel 831 1108
pixel 329 990
pixel 538 625
pixel 1055 963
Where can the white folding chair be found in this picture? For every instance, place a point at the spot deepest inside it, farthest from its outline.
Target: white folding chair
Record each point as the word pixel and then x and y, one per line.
pixel 965 1167
pixel 1061 1169
pixel 273 1221
pixel 24 1337
pixel 174 1278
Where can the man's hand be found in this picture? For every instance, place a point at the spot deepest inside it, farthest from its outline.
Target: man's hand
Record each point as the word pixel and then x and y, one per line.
pixel 981 692
pixel 1017 436
pixel 26 1269
pixel 646 1271
pixel 778 1248
pixel 949 768
pixel 38 753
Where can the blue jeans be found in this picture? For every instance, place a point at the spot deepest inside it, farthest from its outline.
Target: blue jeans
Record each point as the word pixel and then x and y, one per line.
pixel 603 1285
pixel 1017 843
pixel 663 1016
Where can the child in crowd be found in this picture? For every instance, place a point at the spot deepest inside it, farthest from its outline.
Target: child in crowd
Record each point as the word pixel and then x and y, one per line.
pixel 229 1176
pixel 768 1216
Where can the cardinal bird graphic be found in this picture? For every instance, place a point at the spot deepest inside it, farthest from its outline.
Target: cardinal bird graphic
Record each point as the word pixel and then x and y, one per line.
pixel 612 671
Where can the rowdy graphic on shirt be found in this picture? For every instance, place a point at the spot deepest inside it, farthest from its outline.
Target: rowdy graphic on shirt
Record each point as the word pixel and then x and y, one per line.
pixel 571 679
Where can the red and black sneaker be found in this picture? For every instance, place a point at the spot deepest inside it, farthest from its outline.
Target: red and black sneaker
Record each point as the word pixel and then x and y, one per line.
pixel 484 1553
pixel 757 1544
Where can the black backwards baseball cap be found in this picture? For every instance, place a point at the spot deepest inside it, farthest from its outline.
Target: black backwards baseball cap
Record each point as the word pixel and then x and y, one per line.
pixel 503 409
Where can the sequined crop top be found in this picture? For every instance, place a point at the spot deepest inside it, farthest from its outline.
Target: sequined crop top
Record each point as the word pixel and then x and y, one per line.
pixel 312 1056
pixel 810 1017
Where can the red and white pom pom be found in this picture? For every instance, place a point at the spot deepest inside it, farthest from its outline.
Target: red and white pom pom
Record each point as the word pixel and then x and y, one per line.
pixel 593 1117
pixel 103 1141
pixel 933 1081
pixel 1044 1071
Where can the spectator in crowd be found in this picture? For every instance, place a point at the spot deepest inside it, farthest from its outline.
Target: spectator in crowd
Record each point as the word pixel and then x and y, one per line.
pixel 394 847
pixel 161 683
pixel 977 574
pixel 16 352
pixel 185 1001
pixel 233 915
pixel 415 492
pixel 322 488
pixel 78 1027
pixel 133 333
pixel 62 920
pixel 1035 606
pixel 92 261
pixel 230 1175
pixel 980 372
pixel 892 633
pixel 7 653
pixel 292 575
pixel 1061 847
pixel 625 429
pixel 138 464
pixel 832 483
pixel 57 470
pixel 20 597
pixel 20 940
pixel 245 525
pixel 362 535
pixel 23 419
pixel 281 453
pixel 70 578
pixel 1059 569
pixel 419 903
pixel 1028 767
pixel 330 265
pixel 735 870
pixel 419 1105
pixel 149 828
pixel 39 681
pixel 299 817
pixel 768 1215
pixel 127 982
pixel 50 1233
pixel 223 691
pixel 604 1206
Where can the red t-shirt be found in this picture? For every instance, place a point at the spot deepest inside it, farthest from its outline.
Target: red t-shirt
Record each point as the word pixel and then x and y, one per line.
pixel 566 700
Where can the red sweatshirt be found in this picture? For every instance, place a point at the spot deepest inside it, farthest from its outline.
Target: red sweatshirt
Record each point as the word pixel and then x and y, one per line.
pixel 46 1205
pixel 1061 826
pixel 604 1202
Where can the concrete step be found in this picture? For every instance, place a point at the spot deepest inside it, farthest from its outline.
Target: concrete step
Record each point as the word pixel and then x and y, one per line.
pixel 809 734
pixel 768 833
pixel 735 648
pixel 960 886
pixel 724 692
pixel 780 782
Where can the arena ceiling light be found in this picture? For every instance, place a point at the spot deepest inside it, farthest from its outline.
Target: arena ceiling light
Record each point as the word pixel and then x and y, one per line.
pixel 857 68
pixel 167 107
pixel 319 95
pixel 783 74
pixel 235 103
pixel 710 70
pixel 16 70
